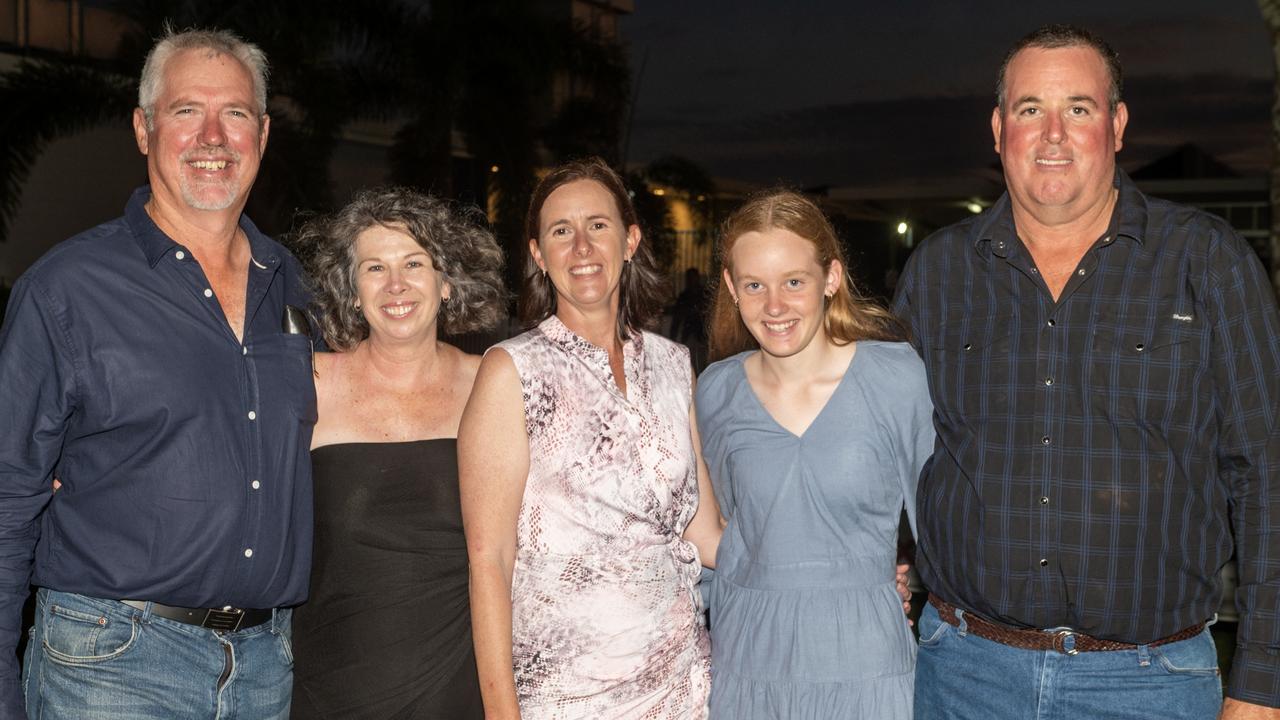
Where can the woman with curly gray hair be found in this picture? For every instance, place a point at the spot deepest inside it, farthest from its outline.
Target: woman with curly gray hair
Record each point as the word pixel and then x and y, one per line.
pixel 387 631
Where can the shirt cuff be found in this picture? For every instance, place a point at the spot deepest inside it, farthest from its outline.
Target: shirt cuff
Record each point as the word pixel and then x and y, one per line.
pixel 1255 677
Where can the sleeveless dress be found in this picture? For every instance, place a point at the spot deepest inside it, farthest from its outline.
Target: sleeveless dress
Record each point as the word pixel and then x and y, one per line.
pixel 386 632
pixel 606 616
pixel 805 619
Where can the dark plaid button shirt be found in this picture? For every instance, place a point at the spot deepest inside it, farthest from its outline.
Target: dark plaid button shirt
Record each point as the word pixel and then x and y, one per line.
pixel 1097 455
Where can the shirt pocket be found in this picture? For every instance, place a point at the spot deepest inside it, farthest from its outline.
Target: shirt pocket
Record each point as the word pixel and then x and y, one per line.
pixel 1148 374
pixel 285 374
pixel 973 371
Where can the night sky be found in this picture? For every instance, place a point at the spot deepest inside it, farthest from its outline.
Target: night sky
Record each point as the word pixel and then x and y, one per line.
pixel 887 94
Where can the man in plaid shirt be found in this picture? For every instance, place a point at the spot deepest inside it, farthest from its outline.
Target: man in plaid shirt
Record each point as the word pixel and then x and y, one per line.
pixel 1105 369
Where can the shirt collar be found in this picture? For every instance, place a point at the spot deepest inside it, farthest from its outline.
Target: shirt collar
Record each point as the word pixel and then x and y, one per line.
pixel 573 343
pixel 1129 219
pixel 594 356
pixel 155 243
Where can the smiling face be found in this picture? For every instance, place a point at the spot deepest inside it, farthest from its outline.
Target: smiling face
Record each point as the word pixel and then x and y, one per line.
pixel 582 245
pixel 779 287
pixel 397 286
pixel 206 138
pixel 1056 137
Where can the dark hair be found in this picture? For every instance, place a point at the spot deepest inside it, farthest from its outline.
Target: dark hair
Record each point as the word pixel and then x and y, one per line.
pixel 456 238
pixel 640 290
pixel 1050 37
pixel 848 315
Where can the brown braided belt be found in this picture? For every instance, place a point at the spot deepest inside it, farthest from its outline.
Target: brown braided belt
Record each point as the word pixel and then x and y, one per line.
pixel 1045 639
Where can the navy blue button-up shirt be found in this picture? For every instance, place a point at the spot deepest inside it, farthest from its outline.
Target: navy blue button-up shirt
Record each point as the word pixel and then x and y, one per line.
pixel 182 451
pixel 1098 454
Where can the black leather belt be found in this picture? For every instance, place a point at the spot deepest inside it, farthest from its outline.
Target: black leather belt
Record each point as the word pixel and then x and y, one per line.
pixel 226 619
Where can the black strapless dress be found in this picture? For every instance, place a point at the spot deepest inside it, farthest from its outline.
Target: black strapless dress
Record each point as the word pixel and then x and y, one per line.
pixel 386 632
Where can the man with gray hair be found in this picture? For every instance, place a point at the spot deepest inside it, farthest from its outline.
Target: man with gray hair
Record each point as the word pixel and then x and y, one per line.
pixel 159 366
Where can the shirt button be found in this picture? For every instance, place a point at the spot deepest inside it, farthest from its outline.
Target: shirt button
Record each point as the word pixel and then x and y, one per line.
pixel 1045 440
pixel 244 350
pixel 1106 239
pixel 1044 562
pixel 1035 271
pixel 1139 347
pixel 180 255
pixel 248 552
pixel 1044 501
pixel 1080 271
pixel 208 292
pixel 254 416
pixel 1052 322
pixel 255 484
pixel 1048 381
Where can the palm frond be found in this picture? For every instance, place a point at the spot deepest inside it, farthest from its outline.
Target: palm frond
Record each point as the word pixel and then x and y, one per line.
pixel 43 101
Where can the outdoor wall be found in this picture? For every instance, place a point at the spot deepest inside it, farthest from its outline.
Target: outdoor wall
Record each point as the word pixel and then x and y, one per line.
pixel 78 182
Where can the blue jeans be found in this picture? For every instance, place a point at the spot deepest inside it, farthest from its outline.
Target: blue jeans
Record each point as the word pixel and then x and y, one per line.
pixel 102 659
pixel 960 676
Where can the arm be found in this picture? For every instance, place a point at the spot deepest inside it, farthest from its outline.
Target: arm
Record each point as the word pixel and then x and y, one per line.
pixel 1245 365
pixel 916 445
pixel 1233 709
pixel 707 525
pixel 37 382
pixel 903 298
pixel 493 464
pixel 328 408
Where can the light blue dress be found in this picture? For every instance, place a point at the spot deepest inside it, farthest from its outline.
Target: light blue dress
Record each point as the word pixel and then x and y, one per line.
pixel 805 619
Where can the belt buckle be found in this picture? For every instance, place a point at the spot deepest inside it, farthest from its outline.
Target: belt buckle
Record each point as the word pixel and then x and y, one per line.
pixel 227 619
pixel 1060 642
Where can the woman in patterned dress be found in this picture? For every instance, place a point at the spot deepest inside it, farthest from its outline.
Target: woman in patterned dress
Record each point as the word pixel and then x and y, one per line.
pixel 580 480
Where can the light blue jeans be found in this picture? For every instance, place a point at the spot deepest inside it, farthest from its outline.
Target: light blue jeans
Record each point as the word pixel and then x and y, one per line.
pixel 960 676
pixel 93 659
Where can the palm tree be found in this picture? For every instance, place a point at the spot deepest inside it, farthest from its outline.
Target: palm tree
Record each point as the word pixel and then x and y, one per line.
pixel 482 68
pixel 34 110
pixel 486 70
pixel 44 100
pixel 1271 14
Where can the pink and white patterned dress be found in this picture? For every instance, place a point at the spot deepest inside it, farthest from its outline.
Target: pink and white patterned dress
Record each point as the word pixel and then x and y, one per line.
pixel 606 616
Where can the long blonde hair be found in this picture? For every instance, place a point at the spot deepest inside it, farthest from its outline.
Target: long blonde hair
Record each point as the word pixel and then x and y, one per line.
pixel 848 316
